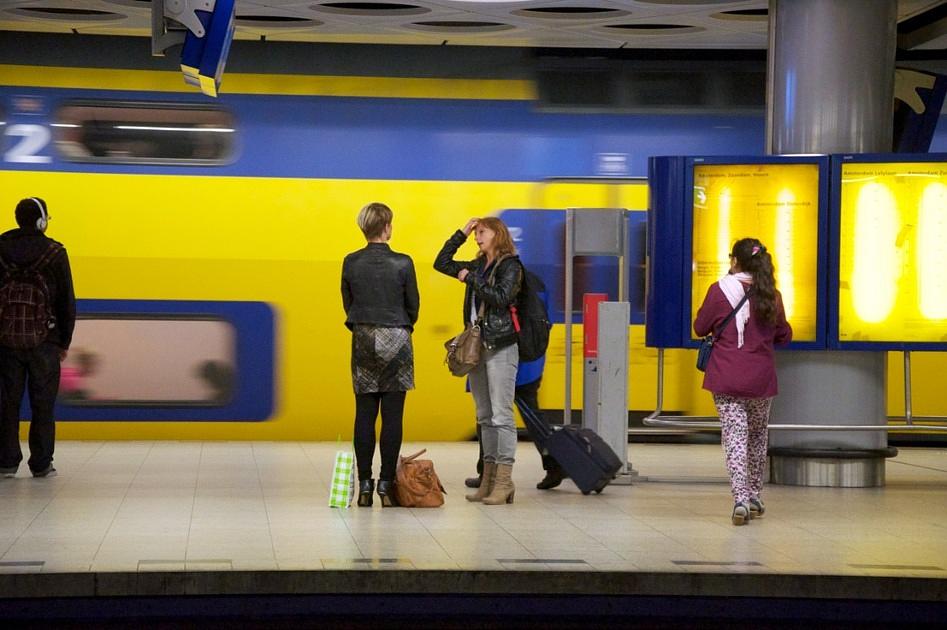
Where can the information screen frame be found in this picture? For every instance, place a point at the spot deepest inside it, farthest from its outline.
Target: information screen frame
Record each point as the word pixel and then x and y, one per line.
pixel 834 296
pixel 822 232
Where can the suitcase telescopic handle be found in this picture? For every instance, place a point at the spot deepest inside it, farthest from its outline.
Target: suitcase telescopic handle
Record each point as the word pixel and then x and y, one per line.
pixel 529 415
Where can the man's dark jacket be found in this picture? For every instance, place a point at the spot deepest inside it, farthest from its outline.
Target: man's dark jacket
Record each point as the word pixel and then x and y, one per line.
pixel 497 329
pixel 379 287
pixel 22 247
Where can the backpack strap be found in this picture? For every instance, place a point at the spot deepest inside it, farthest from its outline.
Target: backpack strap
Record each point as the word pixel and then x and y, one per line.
pixel 51 252
pixel 47 257
pixel 496 265
pixel 490 278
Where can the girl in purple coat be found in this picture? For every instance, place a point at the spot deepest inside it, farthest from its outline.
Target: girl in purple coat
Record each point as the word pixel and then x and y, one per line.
pixel 741 373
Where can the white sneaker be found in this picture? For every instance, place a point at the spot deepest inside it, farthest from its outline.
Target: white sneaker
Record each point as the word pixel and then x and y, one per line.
pixel 757 509
pixel 741 514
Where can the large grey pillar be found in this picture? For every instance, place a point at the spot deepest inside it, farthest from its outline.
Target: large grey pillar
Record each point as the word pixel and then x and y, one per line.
pixel 830 89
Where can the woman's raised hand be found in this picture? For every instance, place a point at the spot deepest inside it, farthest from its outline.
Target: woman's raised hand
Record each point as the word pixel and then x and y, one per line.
pixel 467 229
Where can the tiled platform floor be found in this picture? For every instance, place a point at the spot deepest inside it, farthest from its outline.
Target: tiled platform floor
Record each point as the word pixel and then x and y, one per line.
pixel 192 506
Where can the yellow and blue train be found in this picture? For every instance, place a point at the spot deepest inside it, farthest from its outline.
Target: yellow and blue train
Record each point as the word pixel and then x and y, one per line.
pixel 206 237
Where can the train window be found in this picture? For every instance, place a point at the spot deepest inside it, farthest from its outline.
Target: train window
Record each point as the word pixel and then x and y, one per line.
pixel 116 132
pixel 118 360
pixel 665 89
pixel 671 86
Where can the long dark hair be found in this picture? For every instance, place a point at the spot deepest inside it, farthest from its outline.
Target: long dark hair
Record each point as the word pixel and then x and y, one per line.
pixel 753 258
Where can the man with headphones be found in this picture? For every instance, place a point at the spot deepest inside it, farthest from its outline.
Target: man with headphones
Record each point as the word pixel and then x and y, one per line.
pixel 37 317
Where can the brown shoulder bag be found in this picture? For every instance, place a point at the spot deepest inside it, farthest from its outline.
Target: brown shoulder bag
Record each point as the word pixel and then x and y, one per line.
pixel 464 350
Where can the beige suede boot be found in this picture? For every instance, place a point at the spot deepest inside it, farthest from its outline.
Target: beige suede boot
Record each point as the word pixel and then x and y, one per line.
pixel 486 482
pixel 503 488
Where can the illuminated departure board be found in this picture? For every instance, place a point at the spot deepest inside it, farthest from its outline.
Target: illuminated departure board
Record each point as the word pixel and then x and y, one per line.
pixel 777 203
pixel 892 252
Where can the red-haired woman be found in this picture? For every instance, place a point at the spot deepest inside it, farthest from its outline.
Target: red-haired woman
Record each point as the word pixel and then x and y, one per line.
pixel 493 281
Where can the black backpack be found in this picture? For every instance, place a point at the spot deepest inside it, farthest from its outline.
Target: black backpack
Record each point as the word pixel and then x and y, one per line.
pixel 531 317
pixel 26 315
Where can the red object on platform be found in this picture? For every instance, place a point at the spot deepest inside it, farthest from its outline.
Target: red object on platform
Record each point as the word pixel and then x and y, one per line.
pixel 590 303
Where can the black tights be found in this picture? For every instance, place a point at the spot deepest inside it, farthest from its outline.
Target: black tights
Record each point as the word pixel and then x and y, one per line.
pixel 366 412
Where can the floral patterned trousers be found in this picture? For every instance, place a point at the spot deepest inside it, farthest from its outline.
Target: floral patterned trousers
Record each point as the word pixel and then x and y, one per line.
pixel 744 436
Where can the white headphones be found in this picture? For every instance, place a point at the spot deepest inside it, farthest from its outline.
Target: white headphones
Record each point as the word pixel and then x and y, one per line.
pixel 43 219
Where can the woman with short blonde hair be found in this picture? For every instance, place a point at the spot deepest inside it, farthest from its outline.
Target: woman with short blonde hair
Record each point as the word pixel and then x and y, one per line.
pixel 373 219
pixel 380 297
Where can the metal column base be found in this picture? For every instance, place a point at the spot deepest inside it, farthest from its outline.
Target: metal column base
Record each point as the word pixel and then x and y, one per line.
pixel 832 468
pixel 627 478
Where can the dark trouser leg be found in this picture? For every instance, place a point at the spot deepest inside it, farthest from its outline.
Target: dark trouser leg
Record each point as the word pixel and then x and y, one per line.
pixel 366 412
pixel 43 367
pixel 529 392
pixel 392 412
pixel 12 386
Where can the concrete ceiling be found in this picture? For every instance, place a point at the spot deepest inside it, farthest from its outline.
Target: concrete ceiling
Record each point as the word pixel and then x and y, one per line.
pixel 696 24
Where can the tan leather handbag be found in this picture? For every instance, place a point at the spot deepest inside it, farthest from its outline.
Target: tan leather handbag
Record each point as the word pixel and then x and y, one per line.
pixel 416 483
pixel 463 351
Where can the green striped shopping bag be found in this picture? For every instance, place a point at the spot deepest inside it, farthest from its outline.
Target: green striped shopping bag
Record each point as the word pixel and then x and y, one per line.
pixel 343 480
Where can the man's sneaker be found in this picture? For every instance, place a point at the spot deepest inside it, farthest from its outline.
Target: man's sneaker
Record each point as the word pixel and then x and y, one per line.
pixel 757 509
pixel 552 479
pixel 49 471
pixel 741 514
pixel 9 473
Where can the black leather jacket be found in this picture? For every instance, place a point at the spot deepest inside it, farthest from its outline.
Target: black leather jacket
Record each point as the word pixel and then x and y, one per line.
pixel 497 326
pixel 379 287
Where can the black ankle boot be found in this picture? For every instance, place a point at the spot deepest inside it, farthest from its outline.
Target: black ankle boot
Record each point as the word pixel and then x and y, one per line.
pixel 552 479
pixel 365 489
pixel 386 493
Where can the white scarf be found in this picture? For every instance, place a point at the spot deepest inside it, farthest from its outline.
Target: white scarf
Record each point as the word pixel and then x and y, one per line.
pixel 733 288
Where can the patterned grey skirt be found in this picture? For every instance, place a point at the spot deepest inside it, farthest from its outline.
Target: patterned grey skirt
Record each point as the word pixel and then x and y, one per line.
pixel 382 359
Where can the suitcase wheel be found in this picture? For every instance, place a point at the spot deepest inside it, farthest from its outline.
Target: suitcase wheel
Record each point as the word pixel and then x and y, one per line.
pixel 586 491
pixel 599 491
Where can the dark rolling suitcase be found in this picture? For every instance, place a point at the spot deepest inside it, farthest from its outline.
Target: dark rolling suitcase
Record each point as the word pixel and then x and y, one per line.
pixel 583 455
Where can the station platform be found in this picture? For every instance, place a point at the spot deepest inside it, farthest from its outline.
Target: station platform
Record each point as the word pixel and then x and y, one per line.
pixel 206 532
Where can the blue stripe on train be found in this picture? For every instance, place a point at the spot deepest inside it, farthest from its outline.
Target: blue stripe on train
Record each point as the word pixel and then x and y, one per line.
pixel 421 139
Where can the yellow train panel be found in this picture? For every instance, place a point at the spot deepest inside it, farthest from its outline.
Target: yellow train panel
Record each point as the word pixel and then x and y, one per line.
pixel 281 241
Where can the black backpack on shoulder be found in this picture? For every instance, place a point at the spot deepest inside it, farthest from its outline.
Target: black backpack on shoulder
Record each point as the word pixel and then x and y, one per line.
pixel 531 318
pixel 26 315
